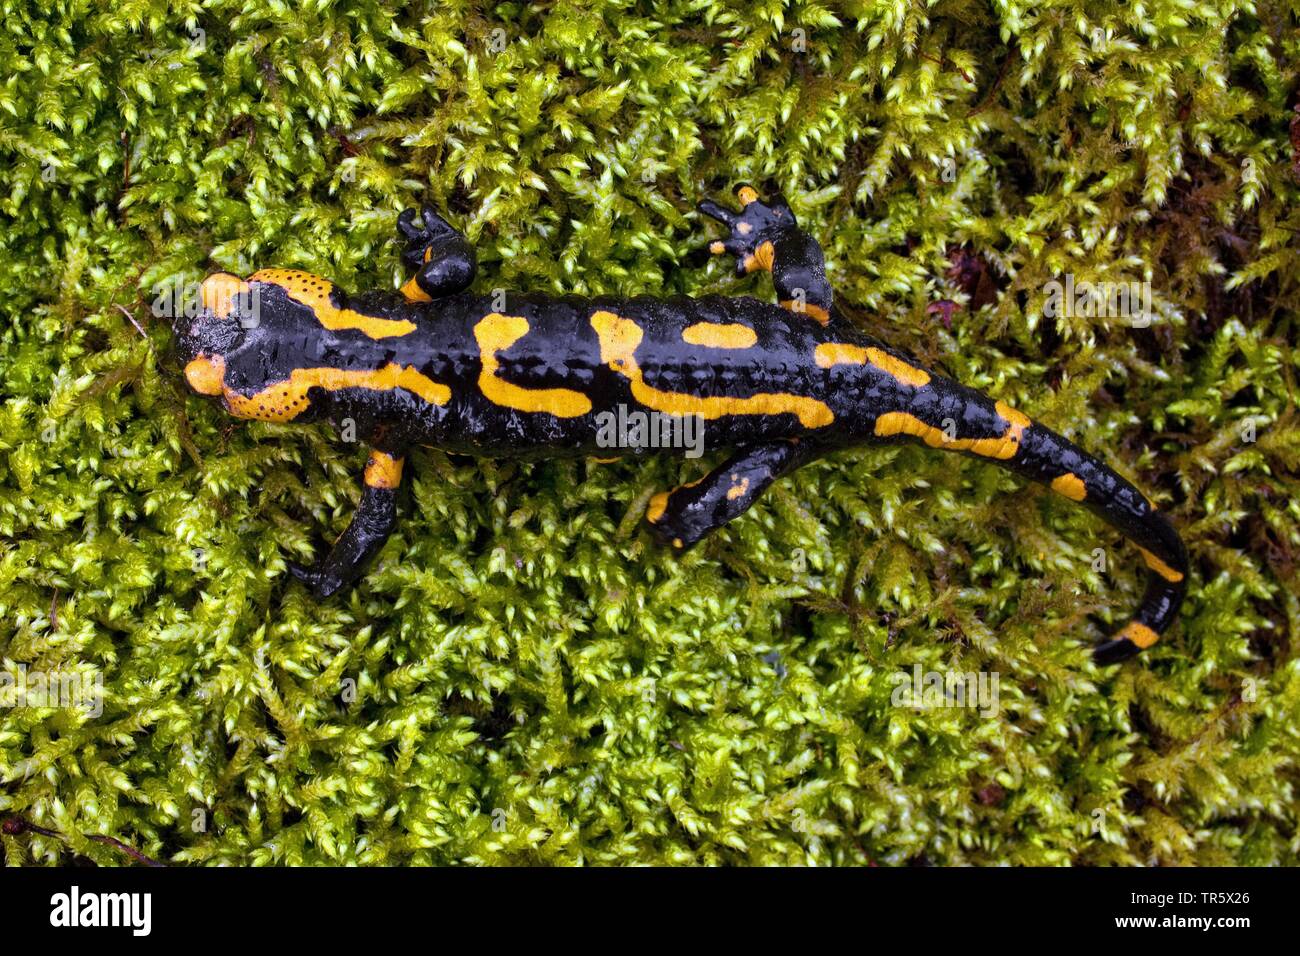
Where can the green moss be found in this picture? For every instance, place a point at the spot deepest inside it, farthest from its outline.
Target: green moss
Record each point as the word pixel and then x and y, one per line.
pixel 533 681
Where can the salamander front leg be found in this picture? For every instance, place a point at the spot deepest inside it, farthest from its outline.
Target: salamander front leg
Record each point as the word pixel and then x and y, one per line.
pixel 441 259
pixel 766 236
pixel 685 515
pixel 371 524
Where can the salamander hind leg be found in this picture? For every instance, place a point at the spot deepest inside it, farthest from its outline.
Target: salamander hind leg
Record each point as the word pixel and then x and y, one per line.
pixel 765 236
pixel 441 259
pixel 371 524
pixel 684 516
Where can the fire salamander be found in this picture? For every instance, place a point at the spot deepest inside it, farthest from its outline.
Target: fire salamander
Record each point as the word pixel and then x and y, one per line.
pixel 437 364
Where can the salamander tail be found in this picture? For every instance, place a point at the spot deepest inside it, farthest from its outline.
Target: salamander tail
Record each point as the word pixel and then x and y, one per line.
pixel 1049 458
pixel 990 430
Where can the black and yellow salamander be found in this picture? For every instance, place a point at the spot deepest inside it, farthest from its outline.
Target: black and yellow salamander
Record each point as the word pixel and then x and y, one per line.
pixel 437 364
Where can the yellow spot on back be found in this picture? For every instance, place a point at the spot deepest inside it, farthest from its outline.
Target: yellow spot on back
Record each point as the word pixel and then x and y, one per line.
pixel 206 374
pixel 829 354
pixel 658 505
pixel 1003 447
pixel 717 336
pixel 619 339
pixel 1160 568
pixel 495 332
pixel 1070 485
pixel 383 470
pixel 315 293
pixel 1139 634
pixel 286 400
pixel 737 490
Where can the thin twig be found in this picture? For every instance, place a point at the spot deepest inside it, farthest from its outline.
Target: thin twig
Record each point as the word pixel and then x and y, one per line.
pixel 16 826
pixel 128 850
pixel 997 83
pixel 131 318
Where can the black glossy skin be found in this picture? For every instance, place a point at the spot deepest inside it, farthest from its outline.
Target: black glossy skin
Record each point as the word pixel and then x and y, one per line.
pixel 531 375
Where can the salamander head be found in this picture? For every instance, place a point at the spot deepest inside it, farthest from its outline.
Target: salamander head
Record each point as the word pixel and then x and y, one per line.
pixel 227 308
